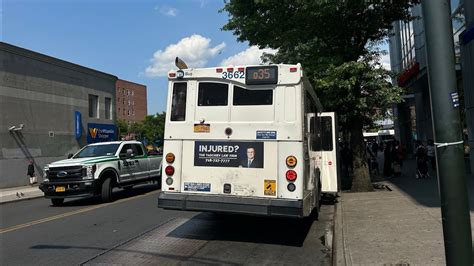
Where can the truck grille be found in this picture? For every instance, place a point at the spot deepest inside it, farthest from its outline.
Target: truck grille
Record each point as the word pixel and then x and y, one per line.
pixel 69 173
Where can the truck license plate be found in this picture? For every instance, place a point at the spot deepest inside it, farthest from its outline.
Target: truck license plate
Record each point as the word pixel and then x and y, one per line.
pixel 60 189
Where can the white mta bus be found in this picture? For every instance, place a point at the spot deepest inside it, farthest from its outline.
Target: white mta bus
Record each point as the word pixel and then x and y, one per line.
pixel 247 139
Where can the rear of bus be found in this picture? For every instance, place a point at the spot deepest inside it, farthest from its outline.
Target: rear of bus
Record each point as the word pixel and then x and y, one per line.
pixel 234 141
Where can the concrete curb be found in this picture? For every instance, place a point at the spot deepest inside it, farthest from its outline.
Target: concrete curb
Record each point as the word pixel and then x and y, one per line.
pixel 338 256
pixel 4 201
pixel 19 194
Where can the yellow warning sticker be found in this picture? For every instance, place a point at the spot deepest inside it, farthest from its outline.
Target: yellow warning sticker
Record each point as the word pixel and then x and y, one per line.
pixel 269 188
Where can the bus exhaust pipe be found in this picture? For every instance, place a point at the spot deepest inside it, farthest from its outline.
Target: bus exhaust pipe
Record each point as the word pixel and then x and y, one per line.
pixel 180 63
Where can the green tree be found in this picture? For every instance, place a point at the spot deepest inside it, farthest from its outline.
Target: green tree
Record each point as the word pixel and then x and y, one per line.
pixel 328 38
pixel 151 128
pixel 122 127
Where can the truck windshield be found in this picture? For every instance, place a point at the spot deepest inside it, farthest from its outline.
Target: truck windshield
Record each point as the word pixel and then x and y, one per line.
pixel 97 150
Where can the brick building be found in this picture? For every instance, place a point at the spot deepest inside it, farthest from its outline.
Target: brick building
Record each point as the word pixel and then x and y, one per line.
pixel 131 101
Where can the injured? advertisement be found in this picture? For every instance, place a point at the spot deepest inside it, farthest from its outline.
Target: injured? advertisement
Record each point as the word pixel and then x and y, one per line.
pixel 228 154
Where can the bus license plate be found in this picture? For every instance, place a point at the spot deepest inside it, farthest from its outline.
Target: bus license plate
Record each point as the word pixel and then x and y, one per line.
pixel 60 189
pixel 202 128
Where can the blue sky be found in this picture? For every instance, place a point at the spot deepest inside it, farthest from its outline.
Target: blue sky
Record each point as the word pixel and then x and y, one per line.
pixel 133 40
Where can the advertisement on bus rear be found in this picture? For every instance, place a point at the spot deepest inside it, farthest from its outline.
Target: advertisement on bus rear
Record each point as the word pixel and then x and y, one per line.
pixel 229 154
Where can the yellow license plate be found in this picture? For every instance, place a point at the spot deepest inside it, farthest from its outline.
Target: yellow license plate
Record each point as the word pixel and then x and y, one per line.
pixel 202 128
pixel 60 189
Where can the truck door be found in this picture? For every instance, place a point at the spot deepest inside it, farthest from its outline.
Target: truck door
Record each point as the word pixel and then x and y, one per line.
pixel 127 166
pixel 141 162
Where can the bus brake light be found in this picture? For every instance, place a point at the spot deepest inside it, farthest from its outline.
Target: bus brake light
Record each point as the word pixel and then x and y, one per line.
pixel 291 175
pixel 169 170
pixel 172 75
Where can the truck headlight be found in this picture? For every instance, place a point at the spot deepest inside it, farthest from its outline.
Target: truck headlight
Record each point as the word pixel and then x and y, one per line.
pixel 45 172
pixel 90 170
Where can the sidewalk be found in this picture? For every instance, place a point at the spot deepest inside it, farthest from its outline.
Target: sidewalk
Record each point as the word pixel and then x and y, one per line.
pixel 19 193
pixel 401 226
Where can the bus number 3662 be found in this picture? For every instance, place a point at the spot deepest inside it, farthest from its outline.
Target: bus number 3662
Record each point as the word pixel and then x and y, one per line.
pixel 233 75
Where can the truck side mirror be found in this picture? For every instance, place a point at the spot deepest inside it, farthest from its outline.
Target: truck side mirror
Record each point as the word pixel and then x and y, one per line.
pixel 69 156
pixel 129 153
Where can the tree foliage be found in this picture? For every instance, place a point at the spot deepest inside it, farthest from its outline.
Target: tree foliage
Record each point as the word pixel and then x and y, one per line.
pixel 150 129
pixel 359 90
pixel 334 41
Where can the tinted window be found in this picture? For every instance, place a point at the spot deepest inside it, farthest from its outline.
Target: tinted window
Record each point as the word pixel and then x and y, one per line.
pixel 139 150
pixel 178 105
pixel 97 150
pixel 315 138
pixel 252 97
pixel 213 94
pixel 326 135
pixel 124 149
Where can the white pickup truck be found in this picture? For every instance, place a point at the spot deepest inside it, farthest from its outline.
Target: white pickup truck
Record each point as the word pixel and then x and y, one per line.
pixel 97 168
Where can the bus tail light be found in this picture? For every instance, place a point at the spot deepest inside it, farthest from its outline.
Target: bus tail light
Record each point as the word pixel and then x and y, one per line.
pixel 291 187
pixel 218 70
pixel 291 175
pixel 291 161
pixel 170 157
pixel 169 170
pixel 172 75
pixel 293 69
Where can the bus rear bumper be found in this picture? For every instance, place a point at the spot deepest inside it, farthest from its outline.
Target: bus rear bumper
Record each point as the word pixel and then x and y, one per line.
pixel 230 204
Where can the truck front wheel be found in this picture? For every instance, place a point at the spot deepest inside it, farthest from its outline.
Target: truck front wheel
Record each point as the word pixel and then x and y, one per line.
pixel 57 202
pixel 106 193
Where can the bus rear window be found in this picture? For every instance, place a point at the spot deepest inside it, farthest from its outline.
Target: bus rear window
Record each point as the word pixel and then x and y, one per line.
pixel 213 94
pixel 252 97
pixel 178 105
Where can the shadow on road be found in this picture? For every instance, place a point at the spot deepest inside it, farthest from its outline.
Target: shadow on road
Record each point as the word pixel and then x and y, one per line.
pixel 118 194
pixel 241 228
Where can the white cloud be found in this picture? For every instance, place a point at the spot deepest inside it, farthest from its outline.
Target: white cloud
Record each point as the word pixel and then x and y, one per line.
pixel 385 61
pixel 194 50
pixel 251 56
pixel 167 10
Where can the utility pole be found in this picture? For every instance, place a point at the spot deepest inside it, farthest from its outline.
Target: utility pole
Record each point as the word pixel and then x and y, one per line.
pixel 447 132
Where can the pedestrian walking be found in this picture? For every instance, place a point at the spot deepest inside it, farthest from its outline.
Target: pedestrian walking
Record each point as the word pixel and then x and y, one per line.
pixel 421 160
pixel 397 157
pixel 430 152
pixel 31 173
pixel 387 160
pixel 375 148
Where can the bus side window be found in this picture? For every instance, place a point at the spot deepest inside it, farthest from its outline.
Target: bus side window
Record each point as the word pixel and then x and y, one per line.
pixel 178 104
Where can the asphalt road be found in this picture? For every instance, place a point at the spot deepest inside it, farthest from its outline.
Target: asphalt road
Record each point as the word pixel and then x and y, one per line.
pixel 132 230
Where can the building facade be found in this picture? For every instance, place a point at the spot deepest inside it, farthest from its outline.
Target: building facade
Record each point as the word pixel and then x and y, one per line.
pixel 49 108
pixel 408 59
pixel 131 101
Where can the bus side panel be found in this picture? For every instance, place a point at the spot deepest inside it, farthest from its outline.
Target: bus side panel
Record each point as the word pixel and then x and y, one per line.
pixel 286 149
pixel 175 147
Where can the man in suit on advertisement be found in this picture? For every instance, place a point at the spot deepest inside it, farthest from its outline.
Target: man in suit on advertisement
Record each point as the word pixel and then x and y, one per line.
pixel 251 161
